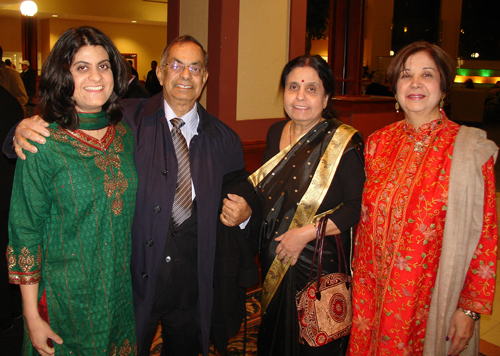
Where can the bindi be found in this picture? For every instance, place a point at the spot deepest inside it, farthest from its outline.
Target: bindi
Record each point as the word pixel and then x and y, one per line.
pixel 302 80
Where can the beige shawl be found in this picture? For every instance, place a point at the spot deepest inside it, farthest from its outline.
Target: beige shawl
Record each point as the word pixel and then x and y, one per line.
pixel 463 226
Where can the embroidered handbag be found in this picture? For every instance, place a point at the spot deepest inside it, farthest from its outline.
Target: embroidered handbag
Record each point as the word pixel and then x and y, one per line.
pixel 324 305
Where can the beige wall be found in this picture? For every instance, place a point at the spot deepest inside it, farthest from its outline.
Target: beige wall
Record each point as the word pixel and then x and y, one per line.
pixel 262 54
pixel 194 21
pixel 146 41
pixel 101 10
pixel 11 40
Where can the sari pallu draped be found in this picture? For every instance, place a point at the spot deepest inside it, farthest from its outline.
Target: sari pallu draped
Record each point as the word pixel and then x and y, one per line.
pixel 292 186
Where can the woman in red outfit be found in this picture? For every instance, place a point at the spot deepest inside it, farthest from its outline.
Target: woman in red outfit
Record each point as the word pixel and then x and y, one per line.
pixel 426 247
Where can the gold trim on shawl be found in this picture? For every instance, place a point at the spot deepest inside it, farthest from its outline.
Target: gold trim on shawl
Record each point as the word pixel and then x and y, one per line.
pixel 310 202
pixel 265 169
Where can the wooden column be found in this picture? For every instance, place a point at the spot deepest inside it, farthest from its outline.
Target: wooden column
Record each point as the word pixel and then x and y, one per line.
pixel 29 40
pixel 298 18
pixel 223 24
pixel 345 48
pixel 173 19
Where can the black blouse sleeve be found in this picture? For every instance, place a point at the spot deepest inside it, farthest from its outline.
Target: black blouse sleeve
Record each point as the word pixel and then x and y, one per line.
pixel 346 187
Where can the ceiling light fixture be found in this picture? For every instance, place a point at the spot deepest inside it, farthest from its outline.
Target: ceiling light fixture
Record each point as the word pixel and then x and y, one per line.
pixel 28 8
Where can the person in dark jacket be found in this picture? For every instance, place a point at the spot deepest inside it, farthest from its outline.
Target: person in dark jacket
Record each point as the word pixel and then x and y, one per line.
pixel 235 267
pixel 10 296
pixel 378 87
pixel 152 84
pixel 172 264
pixel 29 80
pixel 135 88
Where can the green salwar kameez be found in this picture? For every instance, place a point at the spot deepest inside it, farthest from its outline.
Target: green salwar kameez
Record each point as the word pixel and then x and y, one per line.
pixel 70 221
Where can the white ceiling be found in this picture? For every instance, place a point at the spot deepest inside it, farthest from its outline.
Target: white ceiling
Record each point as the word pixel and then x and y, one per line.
pixel 124 11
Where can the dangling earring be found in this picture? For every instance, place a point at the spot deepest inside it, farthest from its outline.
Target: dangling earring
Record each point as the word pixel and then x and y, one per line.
pixel 396 105
pixel 441 103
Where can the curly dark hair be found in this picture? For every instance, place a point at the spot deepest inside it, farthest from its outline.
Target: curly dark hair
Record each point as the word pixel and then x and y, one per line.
pixel 324 72
pixel 444 63
pixel 56 87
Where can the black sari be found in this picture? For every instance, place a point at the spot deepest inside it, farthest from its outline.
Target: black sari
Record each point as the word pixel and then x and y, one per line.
pixel 283 185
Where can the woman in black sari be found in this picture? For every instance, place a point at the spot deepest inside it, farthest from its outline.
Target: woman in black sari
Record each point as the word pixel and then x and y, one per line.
pixel 312 167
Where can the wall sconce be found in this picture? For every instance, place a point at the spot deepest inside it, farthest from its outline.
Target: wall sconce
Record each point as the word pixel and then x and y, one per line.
pixel 28 8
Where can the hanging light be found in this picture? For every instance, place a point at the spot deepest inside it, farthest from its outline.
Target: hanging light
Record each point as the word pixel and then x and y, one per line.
pixel 28 8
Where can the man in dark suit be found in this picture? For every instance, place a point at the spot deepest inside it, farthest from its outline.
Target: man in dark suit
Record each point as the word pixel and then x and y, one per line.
pixel 152 84
pixel 29 80
pixel 172 263
pixel 172 266
pixel 10 295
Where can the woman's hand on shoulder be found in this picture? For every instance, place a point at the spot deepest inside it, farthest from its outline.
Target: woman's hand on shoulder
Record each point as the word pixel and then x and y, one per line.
pixel 33 128
pixel 461 331
pixel 40 332
pixel 293 242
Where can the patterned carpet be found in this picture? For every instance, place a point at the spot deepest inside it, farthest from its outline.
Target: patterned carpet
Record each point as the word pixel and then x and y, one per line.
pixel 236 344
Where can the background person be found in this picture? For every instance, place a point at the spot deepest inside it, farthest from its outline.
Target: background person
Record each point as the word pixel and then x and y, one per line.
pixel 28 76
pixel 293 152
pixel 10 296
pixel 378 85
pixel 73 204
pixel 11 80
pixel 426 245
pixel 152 84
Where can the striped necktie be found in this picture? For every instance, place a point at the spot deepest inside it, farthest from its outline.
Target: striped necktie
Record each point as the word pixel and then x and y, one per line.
pixel 183 196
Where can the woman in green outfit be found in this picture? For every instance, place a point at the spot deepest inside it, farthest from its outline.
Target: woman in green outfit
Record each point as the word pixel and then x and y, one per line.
pixel 72 207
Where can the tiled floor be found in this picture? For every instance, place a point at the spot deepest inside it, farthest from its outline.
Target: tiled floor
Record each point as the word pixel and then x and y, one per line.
pixel 490 324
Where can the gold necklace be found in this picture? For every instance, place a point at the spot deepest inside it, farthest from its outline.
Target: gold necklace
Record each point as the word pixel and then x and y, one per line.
pixel 419 145
pixel 290 132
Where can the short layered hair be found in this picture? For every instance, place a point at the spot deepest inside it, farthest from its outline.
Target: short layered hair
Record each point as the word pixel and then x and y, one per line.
pixel 444 63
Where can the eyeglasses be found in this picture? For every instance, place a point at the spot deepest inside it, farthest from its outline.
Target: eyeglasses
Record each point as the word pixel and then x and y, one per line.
pixel 177 67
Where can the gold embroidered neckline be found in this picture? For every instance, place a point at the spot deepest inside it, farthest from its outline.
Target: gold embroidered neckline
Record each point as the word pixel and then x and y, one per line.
pixel 99 144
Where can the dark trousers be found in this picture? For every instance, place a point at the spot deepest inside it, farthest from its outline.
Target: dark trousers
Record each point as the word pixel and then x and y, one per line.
pixel 10 295
pixel 176 294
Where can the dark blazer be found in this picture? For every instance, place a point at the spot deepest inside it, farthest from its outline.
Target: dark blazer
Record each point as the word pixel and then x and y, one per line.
pixel 235 267
pixel 10 113
pixel 214 152
pixel 136 90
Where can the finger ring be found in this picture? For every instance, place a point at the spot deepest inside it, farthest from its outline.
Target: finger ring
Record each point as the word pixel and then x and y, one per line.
pixel 225 215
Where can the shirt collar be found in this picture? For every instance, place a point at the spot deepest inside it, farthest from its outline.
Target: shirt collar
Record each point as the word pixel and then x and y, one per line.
pixel 191 118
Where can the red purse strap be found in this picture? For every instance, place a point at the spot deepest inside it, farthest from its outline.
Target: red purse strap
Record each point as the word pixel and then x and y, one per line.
pixel 318 249
pixel 321 231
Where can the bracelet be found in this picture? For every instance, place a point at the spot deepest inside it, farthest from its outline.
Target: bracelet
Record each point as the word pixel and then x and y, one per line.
pixel 475 316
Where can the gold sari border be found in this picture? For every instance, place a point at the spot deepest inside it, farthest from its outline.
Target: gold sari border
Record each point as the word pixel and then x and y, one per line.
pixel 256 177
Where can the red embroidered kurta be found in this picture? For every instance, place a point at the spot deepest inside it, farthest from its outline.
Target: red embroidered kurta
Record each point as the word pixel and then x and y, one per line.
pixel 400 237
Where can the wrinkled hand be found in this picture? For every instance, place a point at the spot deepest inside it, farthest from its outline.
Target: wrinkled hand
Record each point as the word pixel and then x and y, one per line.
pixel 291 244
pixel 39 332
pixel 30 129
pixel 461 331
pixel 235 210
